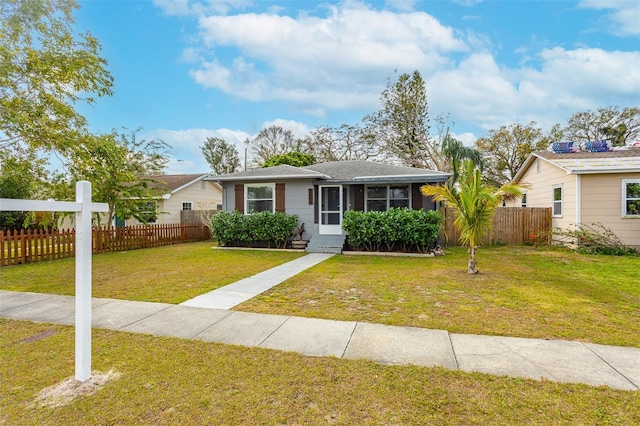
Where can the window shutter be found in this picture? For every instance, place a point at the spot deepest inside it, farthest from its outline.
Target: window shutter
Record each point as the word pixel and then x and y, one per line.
pixel 416 196
pixel 316 206
pixel 240 198
pixel 280 197
pixel 358 198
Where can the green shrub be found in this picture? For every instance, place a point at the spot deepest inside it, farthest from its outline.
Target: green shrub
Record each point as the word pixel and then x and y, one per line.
pixel 253 230
pixel 595 239
pixel 394 230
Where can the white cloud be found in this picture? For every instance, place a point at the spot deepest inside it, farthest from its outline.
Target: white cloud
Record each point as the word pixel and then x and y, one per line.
pixel 467 138
pixel 481 92
pixel 186 153
pixel 316 62
pixel 624 15
pixel 299 130
pixel 333 61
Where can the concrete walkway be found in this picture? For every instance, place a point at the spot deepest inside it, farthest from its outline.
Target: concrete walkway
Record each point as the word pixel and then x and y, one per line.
pixel 234 294
pixel 555 360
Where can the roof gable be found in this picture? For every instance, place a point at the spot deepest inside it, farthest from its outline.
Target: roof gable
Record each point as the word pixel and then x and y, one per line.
pixel 582 162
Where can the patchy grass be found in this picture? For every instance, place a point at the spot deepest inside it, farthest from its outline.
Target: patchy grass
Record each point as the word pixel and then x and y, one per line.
pixel 169 274
pixel 172 381
pixel 521 291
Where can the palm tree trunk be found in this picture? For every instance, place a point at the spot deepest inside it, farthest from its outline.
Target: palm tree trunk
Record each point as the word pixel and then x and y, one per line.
pixel 472 267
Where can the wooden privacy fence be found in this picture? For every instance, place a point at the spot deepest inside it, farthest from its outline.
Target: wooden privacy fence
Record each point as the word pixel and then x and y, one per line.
pixel 511 225
pixel 28 245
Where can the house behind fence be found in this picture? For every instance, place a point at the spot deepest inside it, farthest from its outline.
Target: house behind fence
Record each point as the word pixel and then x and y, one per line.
pixel 29 245
pixel 511 225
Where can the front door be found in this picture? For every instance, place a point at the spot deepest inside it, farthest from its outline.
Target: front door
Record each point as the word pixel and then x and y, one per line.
pixel 330 205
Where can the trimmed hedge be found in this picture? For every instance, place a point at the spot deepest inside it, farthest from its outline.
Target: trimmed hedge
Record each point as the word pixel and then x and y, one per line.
pixel 253 230
pixel 398 229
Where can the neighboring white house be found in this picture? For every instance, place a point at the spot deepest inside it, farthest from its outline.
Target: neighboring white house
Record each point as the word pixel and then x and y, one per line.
pixel 583 188
pixel 183 192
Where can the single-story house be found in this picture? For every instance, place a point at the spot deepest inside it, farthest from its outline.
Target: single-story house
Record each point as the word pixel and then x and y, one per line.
pixel 181 192
pixel 321 193
pixel 583 188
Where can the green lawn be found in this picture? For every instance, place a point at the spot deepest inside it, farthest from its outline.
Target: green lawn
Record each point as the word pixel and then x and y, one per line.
pixel 521 291
pixel 169 274
pixel 183 382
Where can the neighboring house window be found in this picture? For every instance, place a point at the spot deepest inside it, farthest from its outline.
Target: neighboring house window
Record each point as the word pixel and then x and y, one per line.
pixel 631 197
pixel 259 197
pixel 382 197
pixel 150 211
pixel 524 200
pixel 187 205
pixel 557 201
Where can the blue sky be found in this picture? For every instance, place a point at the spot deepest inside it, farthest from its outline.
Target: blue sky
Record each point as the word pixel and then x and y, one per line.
pixel 187 70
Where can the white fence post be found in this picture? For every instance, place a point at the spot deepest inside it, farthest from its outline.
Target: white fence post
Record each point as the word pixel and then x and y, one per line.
pixel 84 250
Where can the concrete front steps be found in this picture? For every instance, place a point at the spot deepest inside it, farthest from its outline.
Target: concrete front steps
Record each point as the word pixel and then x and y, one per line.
pixel 326 244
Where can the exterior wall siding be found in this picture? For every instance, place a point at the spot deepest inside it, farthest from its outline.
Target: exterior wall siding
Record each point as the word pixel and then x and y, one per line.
pixel 204 195
pixel 600 199
pixel 540 194
pixel 602 203
pixel 296 201
pixel 228 196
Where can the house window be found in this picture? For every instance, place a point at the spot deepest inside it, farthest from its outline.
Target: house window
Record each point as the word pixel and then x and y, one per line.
pixel 631 197
pixel 382 197
pixel 523 201
pixel 149 212
pixel 557 201
pixel 187 205
pixel 259 198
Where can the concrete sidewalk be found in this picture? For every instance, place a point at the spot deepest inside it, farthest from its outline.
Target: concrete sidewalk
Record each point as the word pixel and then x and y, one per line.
pixel 555 360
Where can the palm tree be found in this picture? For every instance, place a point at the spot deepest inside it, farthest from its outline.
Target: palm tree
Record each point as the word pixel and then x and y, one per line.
pixel 474 203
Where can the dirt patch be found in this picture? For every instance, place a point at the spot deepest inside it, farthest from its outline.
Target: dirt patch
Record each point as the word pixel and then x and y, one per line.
pixel 65 392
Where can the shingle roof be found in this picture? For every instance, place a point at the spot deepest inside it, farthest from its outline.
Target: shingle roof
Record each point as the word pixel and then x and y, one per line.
pixel 345 171
pixel 174 182
pixel 582 162
pixel 340 171
pixel 621 153
pixel 283 171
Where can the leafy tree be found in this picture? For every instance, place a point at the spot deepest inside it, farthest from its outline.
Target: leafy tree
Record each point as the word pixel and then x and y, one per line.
pixel 455 153
pixel 611 123
pixel 402 123
pixel 297 159
pixel 18 180
pixel 119 166
pixel 341 144
pixel 272 141
pixel 505 150
pixel 46 68
pixel 474 204
pixel 222 156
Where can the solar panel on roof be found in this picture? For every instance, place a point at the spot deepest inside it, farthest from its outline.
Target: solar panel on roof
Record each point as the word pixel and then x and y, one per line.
pixel 562 147
pixel 596 146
